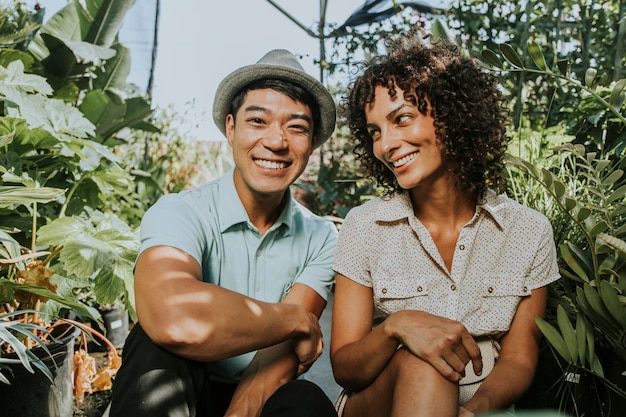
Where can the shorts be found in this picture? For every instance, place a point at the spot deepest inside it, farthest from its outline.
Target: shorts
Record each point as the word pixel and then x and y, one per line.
pixel 468 385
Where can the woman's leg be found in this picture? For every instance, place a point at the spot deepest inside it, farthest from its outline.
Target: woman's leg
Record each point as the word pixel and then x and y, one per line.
pixel 408 386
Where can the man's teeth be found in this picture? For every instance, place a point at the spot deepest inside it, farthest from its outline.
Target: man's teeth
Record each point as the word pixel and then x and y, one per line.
pixel 270 164
pixel 404 160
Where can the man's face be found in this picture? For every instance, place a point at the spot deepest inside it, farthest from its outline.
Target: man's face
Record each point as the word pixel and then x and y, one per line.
pixel 272 139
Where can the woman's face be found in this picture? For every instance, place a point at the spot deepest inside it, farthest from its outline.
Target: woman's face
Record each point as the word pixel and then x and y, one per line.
pixel 404 139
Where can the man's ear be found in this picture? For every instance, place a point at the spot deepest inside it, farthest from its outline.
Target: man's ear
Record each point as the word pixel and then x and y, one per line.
pixel 230 128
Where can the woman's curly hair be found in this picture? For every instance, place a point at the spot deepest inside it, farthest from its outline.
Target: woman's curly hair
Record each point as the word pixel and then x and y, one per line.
pixel 469 111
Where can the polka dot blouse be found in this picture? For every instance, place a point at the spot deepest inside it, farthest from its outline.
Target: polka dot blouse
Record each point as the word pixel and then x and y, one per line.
pixel 504 252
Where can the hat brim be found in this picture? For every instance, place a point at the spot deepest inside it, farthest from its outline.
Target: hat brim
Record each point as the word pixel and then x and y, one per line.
pixel 238 79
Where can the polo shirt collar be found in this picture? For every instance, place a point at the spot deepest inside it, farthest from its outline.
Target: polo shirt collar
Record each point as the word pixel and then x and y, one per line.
pixel 232 211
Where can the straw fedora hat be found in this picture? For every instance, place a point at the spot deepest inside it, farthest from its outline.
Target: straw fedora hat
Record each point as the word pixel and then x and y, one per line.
pixel 277 64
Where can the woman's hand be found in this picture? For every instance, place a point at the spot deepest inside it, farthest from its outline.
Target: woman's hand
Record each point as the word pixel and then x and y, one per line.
pixel 445 344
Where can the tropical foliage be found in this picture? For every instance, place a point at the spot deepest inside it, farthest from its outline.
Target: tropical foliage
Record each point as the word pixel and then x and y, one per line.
pixel 583 191
pixel 65 196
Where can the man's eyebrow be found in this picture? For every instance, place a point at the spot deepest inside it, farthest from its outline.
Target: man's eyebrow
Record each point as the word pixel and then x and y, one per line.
pixel 256 108
pixel 302 116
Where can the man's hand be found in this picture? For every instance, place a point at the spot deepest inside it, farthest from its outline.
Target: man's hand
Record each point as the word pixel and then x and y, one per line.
pixel 445 344
pixel 308 347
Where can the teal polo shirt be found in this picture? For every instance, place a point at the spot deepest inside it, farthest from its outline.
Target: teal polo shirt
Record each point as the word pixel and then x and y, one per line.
pixel 210 224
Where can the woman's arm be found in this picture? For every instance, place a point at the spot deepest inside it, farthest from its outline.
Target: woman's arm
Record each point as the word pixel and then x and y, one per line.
pixel 515 368
pixel 443 343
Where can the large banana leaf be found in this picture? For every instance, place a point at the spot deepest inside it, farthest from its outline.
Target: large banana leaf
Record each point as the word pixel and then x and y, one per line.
pixel 76 37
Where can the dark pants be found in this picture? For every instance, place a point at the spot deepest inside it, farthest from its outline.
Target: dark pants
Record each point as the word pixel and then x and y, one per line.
pixel 154 382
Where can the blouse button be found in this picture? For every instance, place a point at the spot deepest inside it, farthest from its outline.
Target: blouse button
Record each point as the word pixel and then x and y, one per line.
pixel 525 289
pixel 462 247
pixel 490 289
pixel 419 289
pixel 384 290
pixel 453 287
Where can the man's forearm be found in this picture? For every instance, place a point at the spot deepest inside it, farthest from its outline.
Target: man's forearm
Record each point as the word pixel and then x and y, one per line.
pixel 210 323
pixel 269 370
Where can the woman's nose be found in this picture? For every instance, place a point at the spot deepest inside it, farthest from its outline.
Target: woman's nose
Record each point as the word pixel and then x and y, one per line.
pixel 388 141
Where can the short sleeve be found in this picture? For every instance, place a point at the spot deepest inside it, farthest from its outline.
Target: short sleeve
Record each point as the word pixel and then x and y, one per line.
pixel 351 259
pixel 172 222
pixel 544 268
pixel 318 273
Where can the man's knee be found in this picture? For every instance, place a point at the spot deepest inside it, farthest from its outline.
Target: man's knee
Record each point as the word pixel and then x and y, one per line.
pixel 299 398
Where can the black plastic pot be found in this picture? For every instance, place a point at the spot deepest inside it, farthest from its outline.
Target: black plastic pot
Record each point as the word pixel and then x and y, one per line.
pixel 33 395
pixel 115 325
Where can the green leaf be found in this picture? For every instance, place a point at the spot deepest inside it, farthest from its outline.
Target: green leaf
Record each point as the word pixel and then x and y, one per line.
pixel 114 73
pixel 511 56
pixel 598 307
pixel 14 79
pixel 612 303
pixel 547 177
pixel 591 341
pixel 583 213
pixel 617 91
pixel 570 203
pixel 554 338
pixel 559 188
pixel 596 366
pixel 44 292
pixel 590 77
pixel 441 31
pixel 563 66
pixel 569 335
pixel 617 195
pixel 492 58
pixel 567 256
pixel 581 338
pixel 598 228
pixel 10 195
pixel 537 55
pixel 613 241
pixel 613 177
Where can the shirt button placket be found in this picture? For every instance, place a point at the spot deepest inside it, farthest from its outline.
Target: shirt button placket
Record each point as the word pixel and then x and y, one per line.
pixel 258 279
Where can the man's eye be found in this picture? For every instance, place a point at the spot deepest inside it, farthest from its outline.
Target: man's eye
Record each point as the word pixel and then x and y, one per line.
pixel 299 128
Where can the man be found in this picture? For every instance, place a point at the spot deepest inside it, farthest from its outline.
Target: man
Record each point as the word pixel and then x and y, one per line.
pixel 233 275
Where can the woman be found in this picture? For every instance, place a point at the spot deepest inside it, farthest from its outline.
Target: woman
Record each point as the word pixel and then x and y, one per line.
pixel 441 277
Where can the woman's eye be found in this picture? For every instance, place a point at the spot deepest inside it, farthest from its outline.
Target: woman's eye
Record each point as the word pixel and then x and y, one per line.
pixel 403 118
pixel 374 133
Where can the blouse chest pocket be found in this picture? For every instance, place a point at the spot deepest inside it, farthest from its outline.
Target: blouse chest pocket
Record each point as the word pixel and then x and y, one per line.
pixel 400 293
pixel 500 298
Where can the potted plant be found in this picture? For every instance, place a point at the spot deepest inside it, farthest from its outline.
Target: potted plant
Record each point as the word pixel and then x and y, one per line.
pixel 581 186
